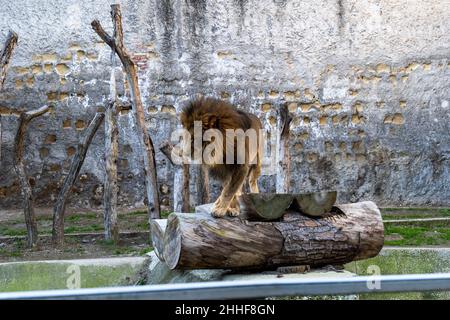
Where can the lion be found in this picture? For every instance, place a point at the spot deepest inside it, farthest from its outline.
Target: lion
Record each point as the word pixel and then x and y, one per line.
pixel 221 115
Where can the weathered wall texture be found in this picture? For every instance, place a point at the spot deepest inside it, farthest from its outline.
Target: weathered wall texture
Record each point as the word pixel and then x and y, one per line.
pixel 367 82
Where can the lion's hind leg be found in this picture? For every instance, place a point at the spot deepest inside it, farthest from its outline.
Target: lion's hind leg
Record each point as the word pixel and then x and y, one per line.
pixel 253 176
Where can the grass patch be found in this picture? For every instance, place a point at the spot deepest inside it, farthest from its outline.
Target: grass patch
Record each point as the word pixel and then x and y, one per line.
pixel 145 251
pixel 417 235
pixel 12 231
pixel 80 229
pixel 414 213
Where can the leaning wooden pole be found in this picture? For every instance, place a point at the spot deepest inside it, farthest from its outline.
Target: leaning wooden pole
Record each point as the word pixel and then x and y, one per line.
pixel 199 241
pixel 77 162
pixel 30 219
pixel 5 57
pixel 117 45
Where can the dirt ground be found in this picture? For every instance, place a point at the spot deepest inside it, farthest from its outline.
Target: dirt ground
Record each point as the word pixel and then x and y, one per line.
pixel 83 236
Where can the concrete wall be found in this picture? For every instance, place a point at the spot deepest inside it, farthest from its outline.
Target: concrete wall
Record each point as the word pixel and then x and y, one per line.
pixel 367 82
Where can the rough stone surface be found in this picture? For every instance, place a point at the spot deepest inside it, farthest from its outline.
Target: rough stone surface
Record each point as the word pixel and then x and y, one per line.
pixel 367 83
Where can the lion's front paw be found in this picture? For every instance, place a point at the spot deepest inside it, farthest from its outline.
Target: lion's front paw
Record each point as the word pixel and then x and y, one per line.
pixel 233 211
pixel 218 211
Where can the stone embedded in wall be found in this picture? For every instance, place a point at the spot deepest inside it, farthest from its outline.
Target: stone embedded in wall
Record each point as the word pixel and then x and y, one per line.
pixel 323 121
pixel 47 68
pixel 274 94
pixel 291 95
pixel 62 69
pixel 50 139
pixel 396 118
pixel 80 124
pixel 383 68
pixel 265 107
pixel 168 109
pixel 70 151
pixel 357 119
pixel 292 107
pixel 43 153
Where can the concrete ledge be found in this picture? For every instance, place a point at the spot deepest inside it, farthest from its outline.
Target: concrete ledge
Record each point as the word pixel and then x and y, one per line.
pixel 63 274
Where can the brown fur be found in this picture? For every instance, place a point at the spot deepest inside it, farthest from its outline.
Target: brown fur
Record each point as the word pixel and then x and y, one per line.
pixel 217 114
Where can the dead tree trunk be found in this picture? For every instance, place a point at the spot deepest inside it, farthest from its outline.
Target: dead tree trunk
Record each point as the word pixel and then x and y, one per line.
pixel 181 180
pixel 203 193
pixel 30 219
pixel 117 45
pixel 186 192
pixel 284 164
pixel 111 186
pixel 350 232
pixel 111 156
pixel 77 162
pixel 5 57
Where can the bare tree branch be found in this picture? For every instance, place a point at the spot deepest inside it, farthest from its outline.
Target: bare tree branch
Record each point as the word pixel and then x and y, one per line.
pixel 5 55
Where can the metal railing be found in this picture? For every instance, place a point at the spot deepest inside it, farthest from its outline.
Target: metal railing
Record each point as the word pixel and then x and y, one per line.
pixel 252 288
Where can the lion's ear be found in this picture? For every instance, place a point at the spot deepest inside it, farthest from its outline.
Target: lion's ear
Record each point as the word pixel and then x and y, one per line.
pixel 209 121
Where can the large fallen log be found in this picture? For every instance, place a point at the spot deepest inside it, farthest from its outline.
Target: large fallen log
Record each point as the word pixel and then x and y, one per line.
pixel 349 232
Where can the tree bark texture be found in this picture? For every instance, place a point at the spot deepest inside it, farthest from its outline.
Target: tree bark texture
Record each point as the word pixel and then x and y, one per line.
pixel 30 219
pixel 5 57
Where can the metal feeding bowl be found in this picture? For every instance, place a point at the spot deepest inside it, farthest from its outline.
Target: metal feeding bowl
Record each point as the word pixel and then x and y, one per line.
pixel 272 206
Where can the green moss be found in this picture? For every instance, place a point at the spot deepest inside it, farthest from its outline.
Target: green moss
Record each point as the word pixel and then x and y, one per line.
pixel 57 275
pixel 404 261
pixel 12 231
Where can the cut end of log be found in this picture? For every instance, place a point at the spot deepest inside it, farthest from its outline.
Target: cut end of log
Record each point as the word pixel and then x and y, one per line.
pixel 157 230
pixel 172 242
